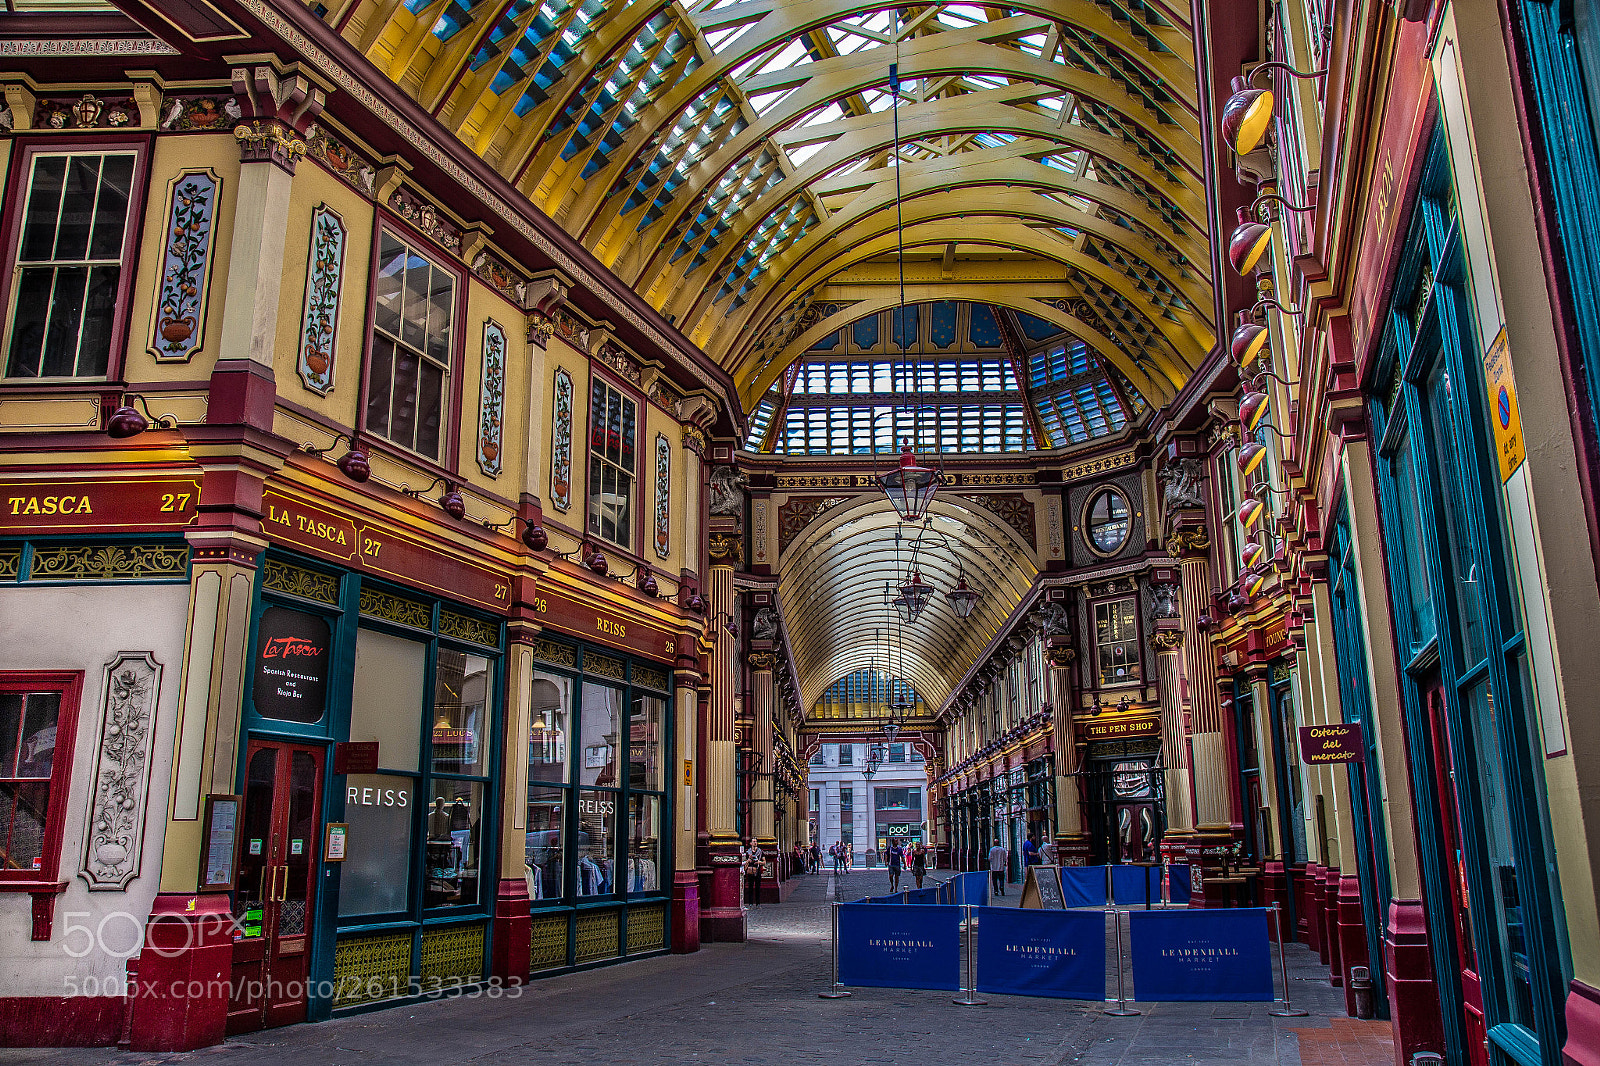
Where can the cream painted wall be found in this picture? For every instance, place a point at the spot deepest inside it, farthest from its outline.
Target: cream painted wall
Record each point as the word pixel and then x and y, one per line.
pixel 42 627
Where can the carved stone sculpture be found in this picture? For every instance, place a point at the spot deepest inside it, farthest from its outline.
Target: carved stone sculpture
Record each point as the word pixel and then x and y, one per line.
pixel 727 491
pixel 1181 481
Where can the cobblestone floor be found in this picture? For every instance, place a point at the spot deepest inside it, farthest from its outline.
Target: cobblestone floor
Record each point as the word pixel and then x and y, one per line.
pixel 756 1003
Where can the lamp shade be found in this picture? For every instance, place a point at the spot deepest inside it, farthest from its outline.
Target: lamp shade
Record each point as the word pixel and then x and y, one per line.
pixel 453 503
pixel 1251 552
pixel 1250 457
pixel 1246 118
pixel 910 486
pixel 355 465
pixel 1249 341
pixel 917 593
pixel 125 422
pixel 1249 242
pixel 1251 510
pixel 891 730
pixel 1253 580
pixel 963 598
pixel 1252 409
pixel 535 537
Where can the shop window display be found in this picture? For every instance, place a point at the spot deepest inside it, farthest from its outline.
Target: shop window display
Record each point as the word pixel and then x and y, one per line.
pixel 596 767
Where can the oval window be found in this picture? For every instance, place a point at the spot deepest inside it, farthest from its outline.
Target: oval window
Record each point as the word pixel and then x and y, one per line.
pixel 1108 521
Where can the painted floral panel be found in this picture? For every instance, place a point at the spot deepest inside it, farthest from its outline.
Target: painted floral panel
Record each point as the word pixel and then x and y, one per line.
pixel 492 399
pixel 561 444
pixel 319 322
pixel 180 318
pixel 663 496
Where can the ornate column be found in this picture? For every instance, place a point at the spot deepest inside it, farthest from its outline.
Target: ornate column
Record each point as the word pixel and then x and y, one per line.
pixel 1167 643
pixel 763 822
pixel 1215 805
pixel 1071 836
pixel 723 919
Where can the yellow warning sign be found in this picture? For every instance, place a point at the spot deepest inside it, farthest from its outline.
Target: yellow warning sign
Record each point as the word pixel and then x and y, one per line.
pixel 1503 414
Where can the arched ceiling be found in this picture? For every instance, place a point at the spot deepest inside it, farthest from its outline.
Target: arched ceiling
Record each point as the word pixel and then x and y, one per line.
pixel 733 160
pixel 832 590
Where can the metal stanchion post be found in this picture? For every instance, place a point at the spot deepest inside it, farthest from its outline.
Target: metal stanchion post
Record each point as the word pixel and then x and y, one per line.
pixel 968 972
pixel 835 990
pixel 1121 1010
pixel 1288 1010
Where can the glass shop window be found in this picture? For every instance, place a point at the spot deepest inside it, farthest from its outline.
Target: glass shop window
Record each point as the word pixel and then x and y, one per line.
pixel 1116 630
pixel 34 773
pixel 412 321
pixel 600 727
pixel 548 733
pixel 846 754
pixel 545 867
pixel 596 843
pixel 68 266
pixel 612 418
pixel 445 769
pixel 646 742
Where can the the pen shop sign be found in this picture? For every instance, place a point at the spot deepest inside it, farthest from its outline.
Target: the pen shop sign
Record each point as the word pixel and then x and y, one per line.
pixel 291 674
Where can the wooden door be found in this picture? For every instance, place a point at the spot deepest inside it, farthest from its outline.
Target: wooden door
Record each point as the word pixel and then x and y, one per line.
pixel 1475 1029
pixel 276 893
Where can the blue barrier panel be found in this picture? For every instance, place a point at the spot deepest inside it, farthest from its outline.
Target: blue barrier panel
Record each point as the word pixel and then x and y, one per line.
pixel 1083 886
pixel 1179 882
pixel 1042 953
pixel 1134 885
pixel 1201 955
pixel 946 894
pixel 972 889
pixel 885 899
pixel 923 895
pixel 900 947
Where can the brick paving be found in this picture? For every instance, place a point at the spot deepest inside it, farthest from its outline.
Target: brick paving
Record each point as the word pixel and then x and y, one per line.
pixel 756 1003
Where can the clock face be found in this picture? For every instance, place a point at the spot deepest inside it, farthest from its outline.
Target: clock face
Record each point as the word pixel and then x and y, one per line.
pixel 1109 521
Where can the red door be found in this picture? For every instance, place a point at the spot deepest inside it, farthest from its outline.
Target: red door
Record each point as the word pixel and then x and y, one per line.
pixel 276 887
pixel 1460 897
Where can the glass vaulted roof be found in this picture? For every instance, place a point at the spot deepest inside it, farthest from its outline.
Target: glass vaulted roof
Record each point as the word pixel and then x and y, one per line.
pixel 735 161
pixel 952 376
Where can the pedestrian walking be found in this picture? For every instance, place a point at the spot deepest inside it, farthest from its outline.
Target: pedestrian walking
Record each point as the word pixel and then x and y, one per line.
pixel 1030 852
pixel 895 860
pixel 1048 854
pixel 999 857
pixel 919 863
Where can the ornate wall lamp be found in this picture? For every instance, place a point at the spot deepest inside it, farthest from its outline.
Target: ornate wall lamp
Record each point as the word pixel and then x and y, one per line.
pixel 126 421
pixel 1253 236
pixel 450 500
pixel 1247 116
pixel 354 464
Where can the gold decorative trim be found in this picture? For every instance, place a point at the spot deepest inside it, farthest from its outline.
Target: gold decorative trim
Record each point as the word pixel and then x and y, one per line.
pixel 287 580
pixel 547 942
pixel 10 564
pixel 396 609
pixel 1091 467
pixel 650 677
pixel 647 929
pixel 603 665
pixel 474 630
pixel 453 955
pixel 548 651
pixel 1189 541
pixel 109 562
pixel 727 548
pixel 597 936
pixel 370 968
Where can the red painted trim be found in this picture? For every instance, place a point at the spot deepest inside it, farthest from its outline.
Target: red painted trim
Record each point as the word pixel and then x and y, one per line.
pixel 1413 996
pixel 61 1021
pixel 22 157
pixel 1583 1026
pixel 70 685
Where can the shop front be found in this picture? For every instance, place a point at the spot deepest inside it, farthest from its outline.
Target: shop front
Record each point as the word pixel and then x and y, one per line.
pixel 1125 787
pixel 366 819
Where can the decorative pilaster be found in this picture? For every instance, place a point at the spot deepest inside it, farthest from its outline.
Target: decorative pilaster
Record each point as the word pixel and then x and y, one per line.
pixel 1071 838
pixel 1215 813
pixel 724 918
pixel 763 821
pixel 513 925
pixel 685 879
